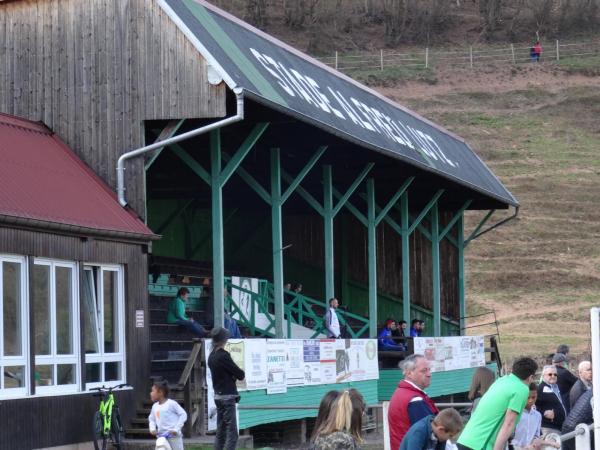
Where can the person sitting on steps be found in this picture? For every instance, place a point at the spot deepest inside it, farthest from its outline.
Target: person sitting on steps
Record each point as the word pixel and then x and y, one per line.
pixel 176 314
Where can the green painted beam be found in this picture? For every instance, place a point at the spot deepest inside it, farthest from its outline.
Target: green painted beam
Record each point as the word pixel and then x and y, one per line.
pixel 328 216
pixel 251 181
pixel 242 152
pixel 425 210
pixel 307 196
pixel 307 168
pixel 352 188
pixel 277 242
pixel 174 215
pixel 372 257
pixel 462 310
pixel 192 163
pixel 386 209
pixel 405 257
pixel 167 132
pixel 435 267
pixel 454 219
pixel 217 229
pixel 481 224
pixel 206 236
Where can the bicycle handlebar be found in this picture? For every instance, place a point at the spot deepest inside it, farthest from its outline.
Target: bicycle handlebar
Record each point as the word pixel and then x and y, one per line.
pixel 109 388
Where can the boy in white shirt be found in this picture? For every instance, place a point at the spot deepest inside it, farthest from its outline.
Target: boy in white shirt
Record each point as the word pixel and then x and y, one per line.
pixel 167 417
pixel 528 431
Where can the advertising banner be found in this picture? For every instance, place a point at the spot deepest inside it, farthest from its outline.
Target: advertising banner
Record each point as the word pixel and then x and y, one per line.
pixel 452 353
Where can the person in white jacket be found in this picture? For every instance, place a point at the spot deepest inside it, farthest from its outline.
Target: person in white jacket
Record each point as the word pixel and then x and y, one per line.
pixel 166 417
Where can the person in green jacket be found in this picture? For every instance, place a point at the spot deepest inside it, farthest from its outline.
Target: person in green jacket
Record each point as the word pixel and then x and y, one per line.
pixel 176 314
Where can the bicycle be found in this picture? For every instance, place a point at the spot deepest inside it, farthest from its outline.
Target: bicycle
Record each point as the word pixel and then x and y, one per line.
pixel 107 424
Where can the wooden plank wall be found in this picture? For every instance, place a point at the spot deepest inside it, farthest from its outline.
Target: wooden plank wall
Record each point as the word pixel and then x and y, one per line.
pixel 39 422
pixel 305 233
pixel 94 70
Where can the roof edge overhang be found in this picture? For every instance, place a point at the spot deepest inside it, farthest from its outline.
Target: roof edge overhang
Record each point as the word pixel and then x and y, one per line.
pixel 76 230
pixel 353 140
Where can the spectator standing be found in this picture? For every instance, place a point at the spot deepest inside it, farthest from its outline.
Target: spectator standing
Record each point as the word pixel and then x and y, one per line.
pixel 224 373
pixel 415 326
pixel 421 327
pixel 342 430
pixel 384 339
pixel 583 384
pixel 529 427
pixel 566 379
pixel 581 412
pixel 325 408
pixel 493 422
pixel 550 402
pixel 432 432
pixel 176 313
pixel 410 403
pixel 482 379
pixel 564 349
pixel 332 323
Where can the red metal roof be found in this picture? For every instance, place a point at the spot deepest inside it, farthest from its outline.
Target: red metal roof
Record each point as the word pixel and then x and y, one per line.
pixel 41 179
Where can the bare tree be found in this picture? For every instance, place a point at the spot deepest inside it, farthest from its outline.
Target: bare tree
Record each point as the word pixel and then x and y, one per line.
pixel 255 12
pixel 490 12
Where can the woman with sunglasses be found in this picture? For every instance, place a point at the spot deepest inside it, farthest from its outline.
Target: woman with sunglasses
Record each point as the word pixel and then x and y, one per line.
pixel 550 402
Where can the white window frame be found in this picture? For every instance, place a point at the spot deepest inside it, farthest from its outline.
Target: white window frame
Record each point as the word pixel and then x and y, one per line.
pixel 22 360
pixel 53 358
pixel 102 357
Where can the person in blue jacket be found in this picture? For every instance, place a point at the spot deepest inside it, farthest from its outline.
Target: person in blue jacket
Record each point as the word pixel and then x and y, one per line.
pixel 432 432
pixel 384 339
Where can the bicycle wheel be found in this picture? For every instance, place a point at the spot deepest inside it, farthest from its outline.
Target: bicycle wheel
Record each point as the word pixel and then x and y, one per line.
pixel 98 432
pixel 116 428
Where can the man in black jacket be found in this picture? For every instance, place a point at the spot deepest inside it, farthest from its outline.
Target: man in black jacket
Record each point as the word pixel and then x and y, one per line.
pixel 583 384
pixel 224 373
pixel 550 403
pixel 566 379
pixel 581 412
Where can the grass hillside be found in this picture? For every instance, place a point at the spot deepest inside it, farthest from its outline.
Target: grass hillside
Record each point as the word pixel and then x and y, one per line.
pixel 540 133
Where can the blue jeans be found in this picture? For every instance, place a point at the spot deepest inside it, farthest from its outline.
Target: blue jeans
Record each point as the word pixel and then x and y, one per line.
pixel 193 327
pixel 227 433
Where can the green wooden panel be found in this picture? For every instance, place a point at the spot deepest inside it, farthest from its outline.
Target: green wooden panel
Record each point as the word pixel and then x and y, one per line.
pixel 442 383
pixel 297 396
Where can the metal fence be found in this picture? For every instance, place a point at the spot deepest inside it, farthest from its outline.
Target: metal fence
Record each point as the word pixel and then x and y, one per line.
pixel 465 57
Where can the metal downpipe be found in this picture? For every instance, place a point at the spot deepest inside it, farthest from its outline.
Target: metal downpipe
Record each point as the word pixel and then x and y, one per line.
pixel 180 137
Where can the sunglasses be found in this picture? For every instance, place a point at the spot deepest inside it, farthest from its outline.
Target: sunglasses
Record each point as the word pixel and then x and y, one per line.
pixel 552 374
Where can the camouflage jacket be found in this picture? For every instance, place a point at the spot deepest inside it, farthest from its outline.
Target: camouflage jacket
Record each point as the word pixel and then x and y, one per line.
pixel 335 441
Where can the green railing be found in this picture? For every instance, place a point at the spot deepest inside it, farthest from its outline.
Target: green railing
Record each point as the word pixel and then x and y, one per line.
pixel 299 310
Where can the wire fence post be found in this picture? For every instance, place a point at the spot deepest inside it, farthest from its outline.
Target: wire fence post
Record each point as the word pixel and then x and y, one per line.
pixel 512 50
pixel 426 57
pixel 336 60
pixel 471 56
pixel 557 51
pixel 381 58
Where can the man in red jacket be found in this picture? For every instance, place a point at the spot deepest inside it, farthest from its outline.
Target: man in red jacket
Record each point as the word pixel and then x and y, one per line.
pixel 410 403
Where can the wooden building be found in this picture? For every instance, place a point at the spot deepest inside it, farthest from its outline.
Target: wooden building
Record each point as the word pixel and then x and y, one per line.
pixel 242 153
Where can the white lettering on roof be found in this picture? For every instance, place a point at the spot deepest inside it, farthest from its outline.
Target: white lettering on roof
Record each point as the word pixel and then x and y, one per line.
pixel 296 84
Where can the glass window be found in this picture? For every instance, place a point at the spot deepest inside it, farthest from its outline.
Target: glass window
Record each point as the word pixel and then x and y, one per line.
pixel 104 335
pixel 41 308
pixel 13 326
pixel 56 330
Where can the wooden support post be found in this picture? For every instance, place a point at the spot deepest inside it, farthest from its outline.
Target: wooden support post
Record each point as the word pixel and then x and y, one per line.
pixel 217 229
pixel 328 215
pixel 405 257
pixel 277 242
pixel 435 263
pixel 462 311
pixel 372 257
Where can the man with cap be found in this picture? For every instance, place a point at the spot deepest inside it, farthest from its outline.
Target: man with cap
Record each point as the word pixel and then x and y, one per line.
pixel 566 379
pixel 224 374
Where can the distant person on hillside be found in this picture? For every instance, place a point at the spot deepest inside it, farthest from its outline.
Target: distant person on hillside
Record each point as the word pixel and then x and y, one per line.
pixel 384 340
pixel 176 314
pixel 482 379
pixel 331 321
pixel 583 384
pixel 494 420
pixel 538 51
pixel 550 402
pixel 432 432
pixel 415 327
